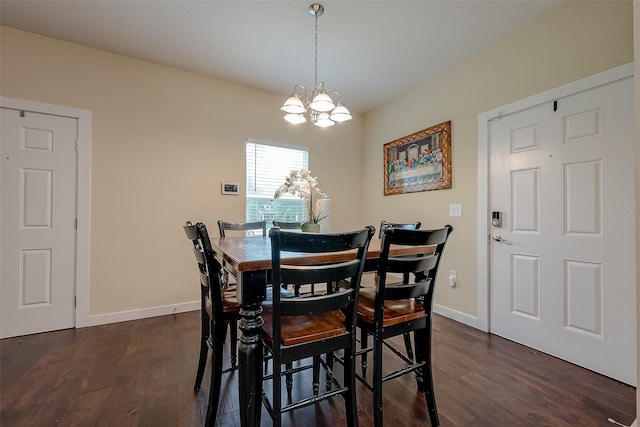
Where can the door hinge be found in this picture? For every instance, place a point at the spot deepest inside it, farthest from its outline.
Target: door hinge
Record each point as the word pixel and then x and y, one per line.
pixel 77 145
pixel 76 224
pixel 75 301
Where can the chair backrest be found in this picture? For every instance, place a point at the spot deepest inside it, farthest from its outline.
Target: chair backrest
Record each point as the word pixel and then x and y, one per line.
pixel 423 265
pixel 322 271
pixel 209 268
pixel 404 225
pixel 286 225
pixel 225 226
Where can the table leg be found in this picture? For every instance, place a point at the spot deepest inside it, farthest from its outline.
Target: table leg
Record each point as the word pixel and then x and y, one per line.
pixel 251 289
pixel 250 360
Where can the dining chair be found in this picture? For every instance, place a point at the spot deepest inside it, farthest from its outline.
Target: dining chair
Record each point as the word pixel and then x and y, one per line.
pixel 236 226
pixel 405 277
pixel 293 225
pixel 308 327
pixel 392 309
pixel 404 225
pixel 219 311
pixel 287 225
pixel 248 227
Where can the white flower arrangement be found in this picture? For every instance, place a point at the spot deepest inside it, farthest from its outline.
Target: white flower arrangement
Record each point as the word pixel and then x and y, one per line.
pixel 300 183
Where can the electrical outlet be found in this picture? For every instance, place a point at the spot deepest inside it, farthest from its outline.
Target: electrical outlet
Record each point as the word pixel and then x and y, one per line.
pixel 455 209
pixel 453 278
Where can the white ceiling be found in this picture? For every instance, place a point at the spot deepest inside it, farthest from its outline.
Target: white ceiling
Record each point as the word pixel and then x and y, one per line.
pixel 369 51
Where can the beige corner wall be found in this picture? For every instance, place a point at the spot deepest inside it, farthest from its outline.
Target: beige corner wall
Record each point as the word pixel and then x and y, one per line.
pixel 163 141
pixel 574 41
pixel 636 49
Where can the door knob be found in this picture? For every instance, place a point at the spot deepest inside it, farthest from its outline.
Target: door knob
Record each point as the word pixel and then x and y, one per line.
pixel 496 237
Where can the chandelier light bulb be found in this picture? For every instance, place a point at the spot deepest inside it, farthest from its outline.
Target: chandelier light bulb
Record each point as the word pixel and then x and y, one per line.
pixel 340 114
pixel 322 102
pixel 324 121
pixel 295 119
pixel 293 105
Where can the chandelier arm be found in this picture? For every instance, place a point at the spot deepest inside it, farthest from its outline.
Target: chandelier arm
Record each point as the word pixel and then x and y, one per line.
pixel 304 90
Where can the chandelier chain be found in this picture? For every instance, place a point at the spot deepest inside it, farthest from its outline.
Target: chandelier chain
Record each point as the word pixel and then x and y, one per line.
pixel 316 55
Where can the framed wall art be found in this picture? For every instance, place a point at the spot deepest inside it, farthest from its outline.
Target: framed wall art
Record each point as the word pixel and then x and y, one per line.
pixel 419 162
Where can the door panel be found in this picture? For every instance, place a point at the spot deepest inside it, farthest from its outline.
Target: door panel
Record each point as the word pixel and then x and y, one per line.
pixel 563 267
pixel 39 185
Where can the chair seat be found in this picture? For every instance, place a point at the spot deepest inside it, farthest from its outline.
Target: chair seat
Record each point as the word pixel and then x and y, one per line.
pixel 229 304
pixel 230 301
pixel 395 312
pixel 302 329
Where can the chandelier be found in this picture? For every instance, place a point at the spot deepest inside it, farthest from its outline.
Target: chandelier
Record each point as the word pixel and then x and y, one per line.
pixel 322 109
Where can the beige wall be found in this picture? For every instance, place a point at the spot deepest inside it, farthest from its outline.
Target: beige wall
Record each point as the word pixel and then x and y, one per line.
pixel 575 41
pixel 163 140
pixel 636 49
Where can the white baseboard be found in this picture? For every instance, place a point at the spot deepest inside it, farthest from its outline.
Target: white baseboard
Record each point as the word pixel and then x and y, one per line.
pixel 458 316
pixel 634 424
pixel 124 316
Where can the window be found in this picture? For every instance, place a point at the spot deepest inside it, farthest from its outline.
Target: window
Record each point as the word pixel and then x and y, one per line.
pixel 267 168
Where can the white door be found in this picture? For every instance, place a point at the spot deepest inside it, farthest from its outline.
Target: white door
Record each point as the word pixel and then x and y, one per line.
pixel 563 260
pixel 38 222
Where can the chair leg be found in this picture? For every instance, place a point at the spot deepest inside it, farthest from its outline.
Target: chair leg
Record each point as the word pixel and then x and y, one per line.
pixel 233 342
pixel 216 377
pixel 265 356
pixel 276 399
pixel 377 381
pixel 349 380
pixel 424 375
pixel 289 380
pixel 328 381
pixel 202 364
pixel 204 348
pixel 315 382
pixel 407 337
pixel 407 345
pixel 364 343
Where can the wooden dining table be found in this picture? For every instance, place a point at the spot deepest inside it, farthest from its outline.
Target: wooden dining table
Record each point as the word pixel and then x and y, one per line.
pixel 249 260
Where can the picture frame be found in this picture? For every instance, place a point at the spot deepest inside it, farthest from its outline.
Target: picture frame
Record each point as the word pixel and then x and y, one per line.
pixel 230 188
pixel 418 162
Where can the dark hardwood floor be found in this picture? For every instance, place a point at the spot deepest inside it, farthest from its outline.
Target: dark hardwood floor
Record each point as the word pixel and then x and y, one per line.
pixel 141 373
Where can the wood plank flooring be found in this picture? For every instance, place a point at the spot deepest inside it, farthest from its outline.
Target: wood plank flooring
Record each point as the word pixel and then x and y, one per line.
pixel 141 373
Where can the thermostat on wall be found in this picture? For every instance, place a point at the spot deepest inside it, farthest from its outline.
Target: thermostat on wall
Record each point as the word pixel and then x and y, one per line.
pixel 230 188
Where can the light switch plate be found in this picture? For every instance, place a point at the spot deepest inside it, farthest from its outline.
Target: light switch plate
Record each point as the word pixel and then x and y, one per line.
pixel 455 210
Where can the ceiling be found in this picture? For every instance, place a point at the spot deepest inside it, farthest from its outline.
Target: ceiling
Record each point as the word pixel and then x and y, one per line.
pixel 369 51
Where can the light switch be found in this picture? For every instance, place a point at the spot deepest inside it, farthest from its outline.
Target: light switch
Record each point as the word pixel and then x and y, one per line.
pixel 453 278
pixel 455 209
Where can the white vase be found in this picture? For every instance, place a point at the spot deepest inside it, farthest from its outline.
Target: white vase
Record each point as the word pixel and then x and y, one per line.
pixel 323 206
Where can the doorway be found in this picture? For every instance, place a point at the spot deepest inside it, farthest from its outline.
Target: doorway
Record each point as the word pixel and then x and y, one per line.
pixel 45 167
pixel 561 224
